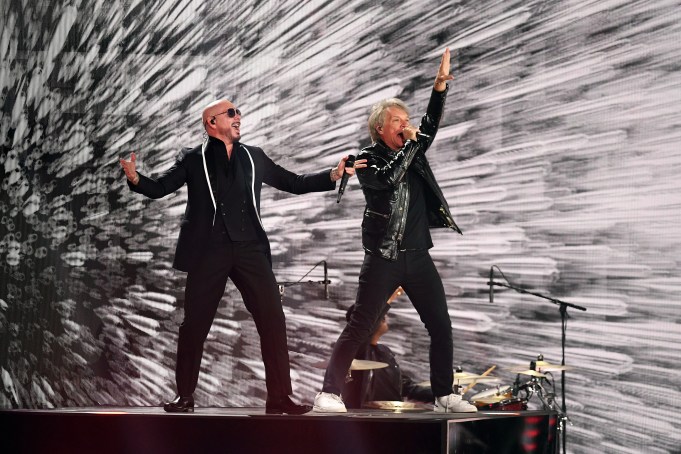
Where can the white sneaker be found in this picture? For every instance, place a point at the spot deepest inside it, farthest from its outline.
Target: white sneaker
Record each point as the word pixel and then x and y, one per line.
pixel 328 403
pixel 453 403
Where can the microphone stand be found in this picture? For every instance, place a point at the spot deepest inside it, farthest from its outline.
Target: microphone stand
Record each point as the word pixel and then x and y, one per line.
pixel 563 306
pixel 326 281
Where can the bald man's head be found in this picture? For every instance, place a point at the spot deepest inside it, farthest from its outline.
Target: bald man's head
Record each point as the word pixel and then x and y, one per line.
pixel 222 120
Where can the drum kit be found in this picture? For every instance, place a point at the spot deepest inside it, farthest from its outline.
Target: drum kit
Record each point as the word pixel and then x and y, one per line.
pixel 514 398
pixel 499 398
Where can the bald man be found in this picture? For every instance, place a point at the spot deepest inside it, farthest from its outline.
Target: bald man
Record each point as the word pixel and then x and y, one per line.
pixel 221 237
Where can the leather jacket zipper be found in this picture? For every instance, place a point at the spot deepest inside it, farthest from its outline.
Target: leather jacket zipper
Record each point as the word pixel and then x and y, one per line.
pixel 385 216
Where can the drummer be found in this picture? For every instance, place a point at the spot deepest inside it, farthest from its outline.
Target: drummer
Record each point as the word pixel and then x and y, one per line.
pixel 385 384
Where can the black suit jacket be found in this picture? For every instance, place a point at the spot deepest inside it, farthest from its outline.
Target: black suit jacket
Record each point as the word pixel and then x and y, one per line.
pixel 197 168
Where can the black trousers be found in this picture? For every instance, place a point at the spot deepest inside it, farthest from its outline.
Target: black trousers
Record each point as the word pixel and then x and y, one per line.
pixel 247 265
pixel 378 279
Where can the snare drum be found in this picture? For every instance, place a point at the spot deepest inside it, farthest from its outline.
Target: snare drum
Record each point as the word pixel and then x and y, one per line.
pixel 499 398
pixel 512 404
pixel 493 394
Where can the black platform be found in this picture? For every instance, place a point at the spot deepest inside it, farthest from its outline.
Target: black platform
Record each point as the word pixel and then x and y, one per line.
pixel 250 430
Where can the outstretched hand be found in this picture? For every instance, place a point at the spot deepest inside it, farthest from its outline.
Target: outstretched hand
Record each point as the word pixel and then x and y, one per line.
pixel 130 169
pixel 443 72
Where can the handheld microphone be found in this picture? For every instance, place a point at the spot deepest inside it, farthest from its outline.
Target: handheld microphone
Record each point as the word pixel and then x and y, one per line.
pixel 491 284
pixel 344 179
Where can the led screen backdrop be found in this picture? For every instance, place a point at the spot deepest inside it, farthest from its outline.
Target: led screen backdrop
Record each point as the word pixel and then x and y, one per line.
pixel 559 154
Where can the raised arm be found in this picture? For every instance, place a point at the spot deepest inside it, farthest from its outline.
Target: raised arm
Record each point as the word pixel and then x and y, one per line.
pixel 431 120
pixel 285 180
pixel 167 183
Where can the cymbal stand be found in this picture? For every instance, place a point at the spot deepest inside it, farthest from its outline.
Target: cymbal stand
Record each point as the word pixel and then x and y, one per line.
pixel 550 403
pixel 530 388
pixel 563 306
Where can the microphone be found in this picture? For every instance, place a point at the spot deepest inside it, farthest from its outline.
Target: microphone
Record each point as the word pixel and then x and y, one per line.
pixel 326 281
pixel 491 284
pixel 344 179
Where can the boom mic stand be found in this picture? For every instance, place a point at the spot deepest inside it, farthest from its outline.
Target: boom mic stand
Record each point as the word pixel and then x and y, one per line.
pixel 563 306
pixel 326 281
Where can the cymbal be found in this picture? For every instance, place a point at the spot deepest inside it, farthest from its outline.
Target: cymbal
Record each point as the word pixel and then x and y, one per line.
pixel 462 378
pixel 397 405
pixel 363 364
pixel 476 379
pixel 530 372
pixel 548 367
pixel 357 364
pixel 542 366
pixel 465 377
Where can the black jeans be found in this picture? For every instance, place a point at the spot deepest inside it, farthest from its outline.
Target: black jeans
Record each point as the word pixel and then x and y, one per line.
pixel 247 265
pixel 378 279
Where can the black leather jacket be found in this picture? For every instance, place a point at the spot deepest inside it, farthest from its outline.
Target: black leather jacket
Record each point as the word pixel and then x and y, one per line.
pixel 386 191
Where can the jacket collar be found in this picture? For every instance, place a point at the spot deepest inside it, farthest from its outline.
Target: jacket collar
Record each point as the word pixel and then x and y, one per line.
pixel 210 147
pixel 382 148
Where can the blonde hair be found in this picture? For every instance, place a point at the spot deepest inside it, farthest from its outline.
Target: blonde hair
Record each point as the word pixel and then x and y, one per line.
pixel 377 115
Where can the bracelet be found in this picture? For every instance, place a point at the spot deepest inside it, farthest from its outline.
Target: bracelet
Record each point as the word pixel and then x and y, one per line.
pixel 334 174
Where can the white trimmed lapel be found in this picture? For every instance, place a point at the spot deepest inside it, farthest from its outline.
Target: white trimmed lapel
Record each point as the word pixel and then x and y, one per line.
pixel 211 190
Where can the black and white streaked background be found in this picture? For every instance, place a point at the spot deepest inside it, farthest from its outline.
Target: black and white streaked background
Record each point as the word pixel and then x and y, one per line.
pixel 559 153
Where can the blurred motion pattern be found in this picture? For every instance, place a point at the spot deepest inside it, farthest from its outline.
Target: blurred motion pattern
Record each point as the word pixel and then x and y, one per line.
pixel 559 153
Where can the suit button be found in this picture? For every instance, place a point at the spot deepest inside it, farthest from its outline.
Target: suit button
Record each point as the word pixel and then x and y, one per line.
pixel 224 214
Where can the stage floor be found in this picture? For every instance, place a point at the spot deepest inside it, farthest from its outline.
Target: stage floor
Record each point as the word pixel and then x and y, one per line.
pixel 250 430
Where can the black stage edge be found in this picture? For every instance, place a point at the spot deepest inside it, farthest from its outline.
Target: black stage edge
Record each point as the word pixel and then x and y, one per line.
pixel 250 430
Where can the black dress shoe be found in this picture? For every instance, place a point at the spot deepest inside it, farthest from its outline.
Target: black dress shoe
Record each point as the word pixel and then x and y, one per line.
pixel 180 405
pixel 285 405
